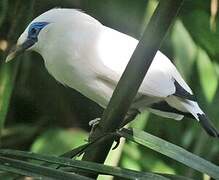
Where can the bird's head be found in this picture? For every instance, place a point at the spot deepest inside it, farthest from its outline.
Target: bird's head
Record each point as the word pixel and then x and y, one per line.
pixel 37 32
pixel 30 38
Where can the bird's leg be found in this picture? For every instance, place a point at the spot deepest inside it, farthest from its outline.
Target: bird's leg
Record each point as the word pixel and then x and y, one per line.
pixel 130 116
pixel 132 113
pixel 94 123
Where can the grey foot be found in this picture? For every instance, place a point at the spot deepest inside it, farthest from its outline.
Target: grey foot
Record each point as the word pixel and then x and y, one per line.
pixel 94 122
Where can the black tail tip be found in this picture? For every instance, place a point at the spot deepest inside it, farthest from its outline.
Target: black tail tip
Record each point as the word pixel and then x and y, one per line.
pixel 207 125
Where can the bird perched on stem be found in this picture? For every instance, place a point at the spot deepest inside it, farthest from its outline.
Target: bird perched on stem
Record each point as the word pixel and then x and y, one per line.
pixel 89 57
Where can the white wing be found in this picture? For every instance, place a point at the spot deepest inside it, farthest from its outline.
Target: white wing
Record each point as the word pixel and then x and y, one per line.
pixel 115 50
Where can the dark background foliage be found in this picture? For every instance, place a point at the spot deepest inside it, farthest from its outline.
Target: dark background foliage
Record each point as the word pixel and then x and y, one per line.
pixel 39 114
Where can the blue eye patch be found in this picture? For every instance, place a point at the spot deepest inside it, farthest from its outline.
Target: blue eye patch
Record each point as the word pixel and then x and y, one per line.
pixel 35 29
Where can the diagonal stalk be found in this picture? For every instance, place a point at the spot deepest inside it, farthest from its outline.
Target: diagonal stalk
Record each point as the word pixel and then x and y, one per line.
pixel 133 76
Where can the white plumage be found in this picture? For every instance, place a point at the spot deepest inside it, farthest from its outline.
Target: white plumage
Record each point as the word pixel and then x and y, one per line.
pixel 83 54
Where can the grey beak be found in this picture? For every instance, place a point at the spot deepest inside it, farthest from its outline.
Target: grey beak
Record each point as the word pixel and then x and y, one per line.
pixel 14 52
pixel 19 49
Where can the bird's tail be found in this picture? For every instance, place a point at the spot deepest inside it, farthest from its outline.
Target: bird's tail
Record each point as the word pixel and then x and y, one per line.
pixel 198 114
pixel 207 125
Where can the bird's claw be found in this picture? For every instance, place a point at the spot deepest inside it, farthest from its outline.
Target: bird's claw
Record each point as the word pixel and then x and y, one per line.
pixel 117 140
pixel 94 122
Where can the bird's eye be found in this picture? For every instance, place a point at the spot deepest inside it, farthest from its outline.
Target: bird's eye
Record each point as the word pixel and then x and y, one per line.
pixel 33 31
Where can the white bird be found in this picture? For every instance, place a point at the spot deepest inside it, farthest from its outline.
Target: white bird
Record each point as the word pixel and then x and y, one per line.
pixel 85 55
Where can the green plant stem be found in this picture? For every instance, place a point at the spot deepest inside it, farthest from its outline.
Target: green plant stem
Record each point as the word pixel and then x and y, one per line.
pixel 133 76
pixel 8 72
pixel 7 77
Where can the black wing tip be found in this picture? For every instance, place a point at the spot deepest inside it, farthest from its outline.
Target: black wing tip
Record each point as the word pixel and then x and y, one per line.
pixel 181 92
pixel 207 125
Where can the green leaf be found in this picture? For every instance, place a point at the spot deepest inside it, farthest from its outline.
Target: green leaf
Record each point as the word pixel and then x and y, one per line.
pixel 184 49
pixel 33 170
pixel 3 10
pixel 8 72
pixel 197 23
pixel 175 177
pixel 171 150
pixel 131 156
pixel 140 121
pixel 7 78
pixel 208 76
pixel 83 165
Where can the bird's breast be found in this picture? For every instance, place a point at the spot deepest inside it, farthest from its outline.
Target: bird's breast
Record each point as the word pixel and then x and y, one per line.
pixel 80 75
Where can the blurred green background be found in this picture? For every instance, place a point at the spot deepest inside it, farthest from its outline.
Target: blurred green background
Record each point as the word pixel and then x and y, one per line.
pixel 39 114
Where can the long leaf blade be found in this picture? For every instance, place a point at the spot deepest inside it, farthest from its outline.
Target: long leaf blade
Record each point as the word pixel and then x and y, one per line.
pixel 30 169
pixel 175 152
pixel 83 165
